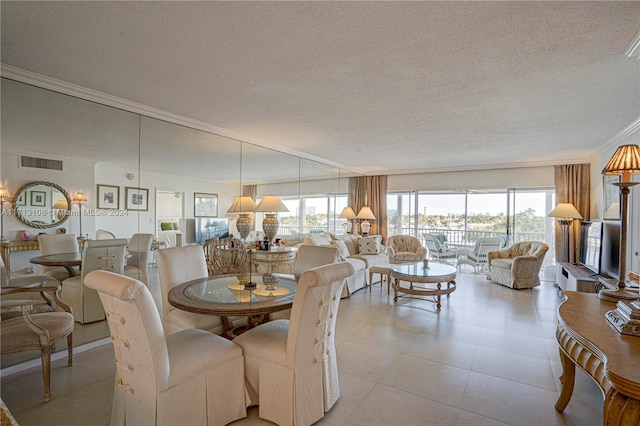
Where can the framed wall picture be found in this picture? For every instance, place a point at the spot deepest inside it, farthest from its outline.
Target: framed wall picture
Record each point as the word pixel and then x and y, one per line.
pixel 38 198
pixel 108 197
pixel 22 199
pixel 205 205
pixel 137 199
pixel 611 197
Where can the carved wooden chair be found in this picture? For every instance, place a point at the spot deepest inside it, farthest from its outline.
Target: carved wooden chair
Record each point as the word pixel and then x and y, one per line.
pixel 226 256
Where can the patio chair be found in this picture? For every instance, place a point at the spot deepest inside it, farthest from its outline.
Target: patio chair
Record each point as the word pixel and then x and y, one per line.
pixel 478 256
pixel 438 251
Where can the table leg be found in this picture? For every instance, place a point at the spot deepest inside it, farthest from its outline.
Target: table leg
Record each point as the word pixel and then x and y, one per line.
pixel 395 291
pixel 567 379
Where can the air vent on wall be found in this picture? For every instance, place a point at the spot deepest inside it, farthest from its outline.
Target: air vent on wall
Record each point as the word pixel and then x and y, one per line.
pixel 40 163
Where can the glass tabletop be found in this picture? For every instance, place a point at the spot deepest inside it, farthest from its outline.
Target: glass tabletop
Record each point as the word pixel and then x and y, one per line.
pixel 417 269
pixel 229 290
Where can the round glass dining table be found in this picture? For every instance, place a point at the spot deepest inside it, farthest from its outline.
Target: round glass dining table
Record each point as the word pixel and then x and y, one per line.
pixel 225 296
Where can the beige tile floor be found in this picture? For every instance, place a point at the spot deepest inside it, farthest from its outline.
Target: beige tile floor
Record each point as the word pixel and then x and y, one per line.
pixel 489 357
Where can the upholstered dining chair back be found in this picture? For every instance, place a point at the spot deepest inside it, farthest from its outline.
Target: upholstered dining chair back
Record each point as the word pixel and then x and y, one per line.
pixel 103 234
pixel 192 377
pixel 226 256
pixel 291 365
pixel 177 265
pixel 106 255
pixel 139 248
pixel 57 244
pixel 311 256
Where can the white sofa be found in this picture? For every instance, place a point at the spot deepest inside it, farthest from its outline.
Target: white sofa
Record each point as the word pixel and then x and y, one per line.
pixel 361 252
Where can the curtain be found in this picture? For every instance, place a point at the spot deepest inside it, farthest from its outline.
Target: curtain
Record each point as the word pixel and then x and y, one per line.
pixel 250 191
pixel 377 201
pixel 370 191
pixel 573 185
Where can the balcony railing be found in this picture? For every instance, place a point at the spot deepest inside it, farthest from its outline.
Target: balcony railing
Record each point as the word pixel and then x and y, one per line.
pixel 460 237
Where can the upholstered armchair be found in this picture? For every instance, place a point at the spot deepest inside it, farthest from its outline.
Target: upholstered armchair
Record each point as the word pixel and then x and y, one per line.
pixel 291 366
pixel 404 249
pixel 190 377
pixel 517 266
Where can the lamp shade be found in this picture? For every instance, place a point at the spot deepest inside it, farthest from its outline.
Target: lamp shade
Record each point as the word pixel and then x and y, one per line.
pixel 625 162
pixel 242 205
pixel 80 198
pixel 4 194
pixel 60 205
pixel 347 213
pixel 365 213
pixel 565 211
pixel 271 203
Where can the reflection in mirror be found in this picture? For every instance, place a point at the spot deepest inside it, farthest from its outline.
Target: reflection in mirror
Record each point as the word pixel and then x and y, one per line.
pixel 269 172
pixel 319 186
pixel 41 205
pixel 66 145
pixel 184 160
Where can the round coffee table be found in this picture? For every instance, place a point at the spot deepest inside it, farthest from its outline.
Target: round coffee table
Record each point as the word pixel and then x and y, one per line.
pixel 413 278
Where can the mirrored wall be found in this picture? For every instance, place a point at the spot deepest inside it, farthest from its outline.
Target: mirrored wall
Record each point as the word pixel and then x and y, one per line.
pixel 140 173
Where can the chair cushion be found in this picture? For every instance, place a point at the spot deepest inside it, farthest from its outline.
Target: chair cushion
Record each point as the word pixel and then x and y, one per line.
pixel 405 256
pixel 502 263
pixel 269 341
pixel 193 352
pixel 16 336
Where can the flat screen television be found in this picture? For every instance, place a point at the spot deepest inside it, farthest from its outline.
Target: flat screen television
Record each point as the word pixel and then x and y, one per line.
pixel 610 257
pixel 590 245
pixel 207 228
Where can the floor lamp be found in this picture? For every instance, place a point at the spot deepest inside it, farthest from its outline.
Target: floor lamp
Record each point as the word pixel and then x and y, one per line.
pixel 80 199
pixel 625 162
pixel 566 213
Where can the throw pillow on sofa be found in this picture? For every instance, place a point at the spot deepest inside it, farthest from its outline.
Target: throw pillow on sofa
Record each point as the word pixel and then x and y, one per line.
pixel 351 241
pixel 369 245
pixel 342 248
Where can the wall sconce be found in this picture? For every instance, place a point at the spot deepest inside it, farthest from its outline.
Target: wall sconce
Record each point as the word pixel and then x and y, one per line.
pixel 566 213
pixel 80 199
pixel 270 204
pixel 5 197
pixel 349 214
pixel 366 215
pixel 243 206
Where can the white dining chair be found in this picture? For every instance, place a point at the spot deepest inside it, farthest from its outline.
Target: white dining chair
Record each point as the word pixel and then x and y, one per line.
pixel 291 365
pixel 96 255
pixel 187 378
pixel 177 265
pixel 57 244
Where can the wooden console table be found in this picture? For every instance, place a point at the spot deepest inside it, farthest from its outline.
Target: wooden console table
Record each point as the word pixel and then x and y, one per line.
pixel 8 247
pixel 611 359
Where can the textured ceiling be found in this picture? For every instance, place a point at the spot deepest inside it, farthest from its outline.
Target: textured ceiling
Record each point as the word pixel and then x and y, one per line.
pixel 377 87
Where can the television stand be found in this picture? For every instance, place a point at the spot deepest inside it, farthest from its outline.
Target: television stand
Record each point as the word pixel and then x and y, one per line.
pixel 570 277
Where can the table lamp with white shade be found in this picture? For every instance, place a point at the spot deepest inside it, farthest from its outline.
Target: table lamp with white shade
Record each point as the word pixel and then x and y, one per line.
pixel 271 204
pixel 5 197
pixel 243 206
pixel 566 213
pixel 349 214
pixel 365 214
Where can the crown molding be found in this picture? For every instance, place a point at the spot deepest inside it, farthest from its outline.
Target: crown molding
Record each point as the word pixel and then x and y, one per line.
pixel 615 140
pixel 45 82
pixel 634 48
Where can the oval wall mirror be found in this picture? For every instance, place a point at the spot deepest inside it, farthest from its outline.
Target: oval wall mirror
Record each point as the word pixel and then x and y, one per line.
pixel 41 204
